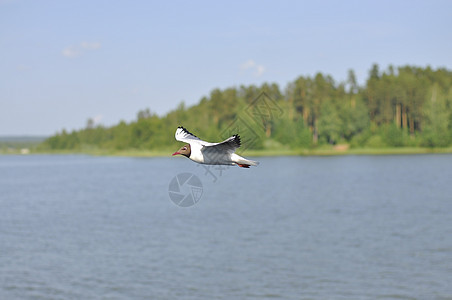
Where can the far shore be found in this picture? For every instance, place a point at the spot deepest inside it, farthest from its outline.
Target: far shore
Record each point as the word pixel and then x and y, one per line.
pixel 324 151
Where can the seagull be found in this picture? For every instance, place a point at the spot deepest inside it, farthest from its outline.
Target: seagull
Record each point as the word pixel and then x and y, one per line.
pixel 211 153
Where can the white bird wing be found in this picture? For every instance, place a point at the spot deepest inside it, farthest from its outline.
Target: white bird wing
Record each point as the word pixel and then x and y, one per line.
pixel 183 135
pixel 229 145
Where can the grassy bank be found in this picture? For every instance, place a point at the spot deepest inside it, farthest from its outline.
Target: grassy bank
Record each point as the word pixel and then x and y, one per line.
pixel 322 151
pixel 354 151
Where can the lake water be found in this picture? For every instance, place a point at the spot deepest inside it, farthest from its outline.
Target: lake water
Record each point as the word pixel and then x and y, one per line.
pixel 344 227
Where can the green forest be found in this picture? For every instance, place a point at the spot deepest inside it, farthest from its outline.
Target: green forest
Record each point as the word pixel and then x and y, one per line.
pixel 406 106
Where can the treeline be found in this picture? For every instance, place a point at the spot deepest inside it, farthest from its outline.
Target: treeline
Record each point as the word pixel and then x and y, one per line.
pixel 397 107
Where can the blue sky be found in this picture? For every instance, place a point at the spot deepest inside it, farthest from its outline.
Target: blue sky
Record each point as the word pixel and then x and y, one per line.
pixel 63 62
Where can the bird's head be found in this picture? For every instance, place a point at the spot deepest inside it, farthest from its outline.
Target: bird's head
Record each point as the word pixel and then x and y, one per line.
pixel 184 150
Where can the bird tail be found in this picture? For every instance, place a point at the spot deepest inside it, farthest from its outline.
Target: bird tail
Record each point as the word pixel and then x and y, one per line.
pixel 243 162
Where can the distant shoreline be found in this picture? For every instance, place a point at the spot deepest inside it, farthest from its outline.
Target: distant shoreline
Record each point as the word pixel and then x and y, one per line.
pixel 257 153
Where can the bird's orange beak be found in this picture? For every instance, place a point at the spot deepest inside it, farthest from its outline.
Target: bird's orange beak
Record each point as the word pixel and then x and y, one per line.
pixel 176 153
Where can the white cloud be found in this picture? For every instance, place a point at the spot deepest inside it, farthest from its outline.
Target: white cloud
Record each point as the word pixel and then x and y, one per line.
pixel 71 52
pixel 250 64
pixel 23 67
pixel 77 50
pixel 90 46
pixel 97 119
pixel 260 69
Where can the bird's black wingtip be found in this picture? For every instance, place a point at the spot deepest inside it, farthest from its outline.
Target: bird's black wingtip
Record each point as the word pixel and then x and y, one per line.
pixel 237 139
pixel 186 131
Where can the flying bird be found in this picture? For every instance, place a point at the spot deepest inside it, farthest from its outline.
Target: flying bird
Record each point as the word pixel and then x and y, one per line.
pixel 211 153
